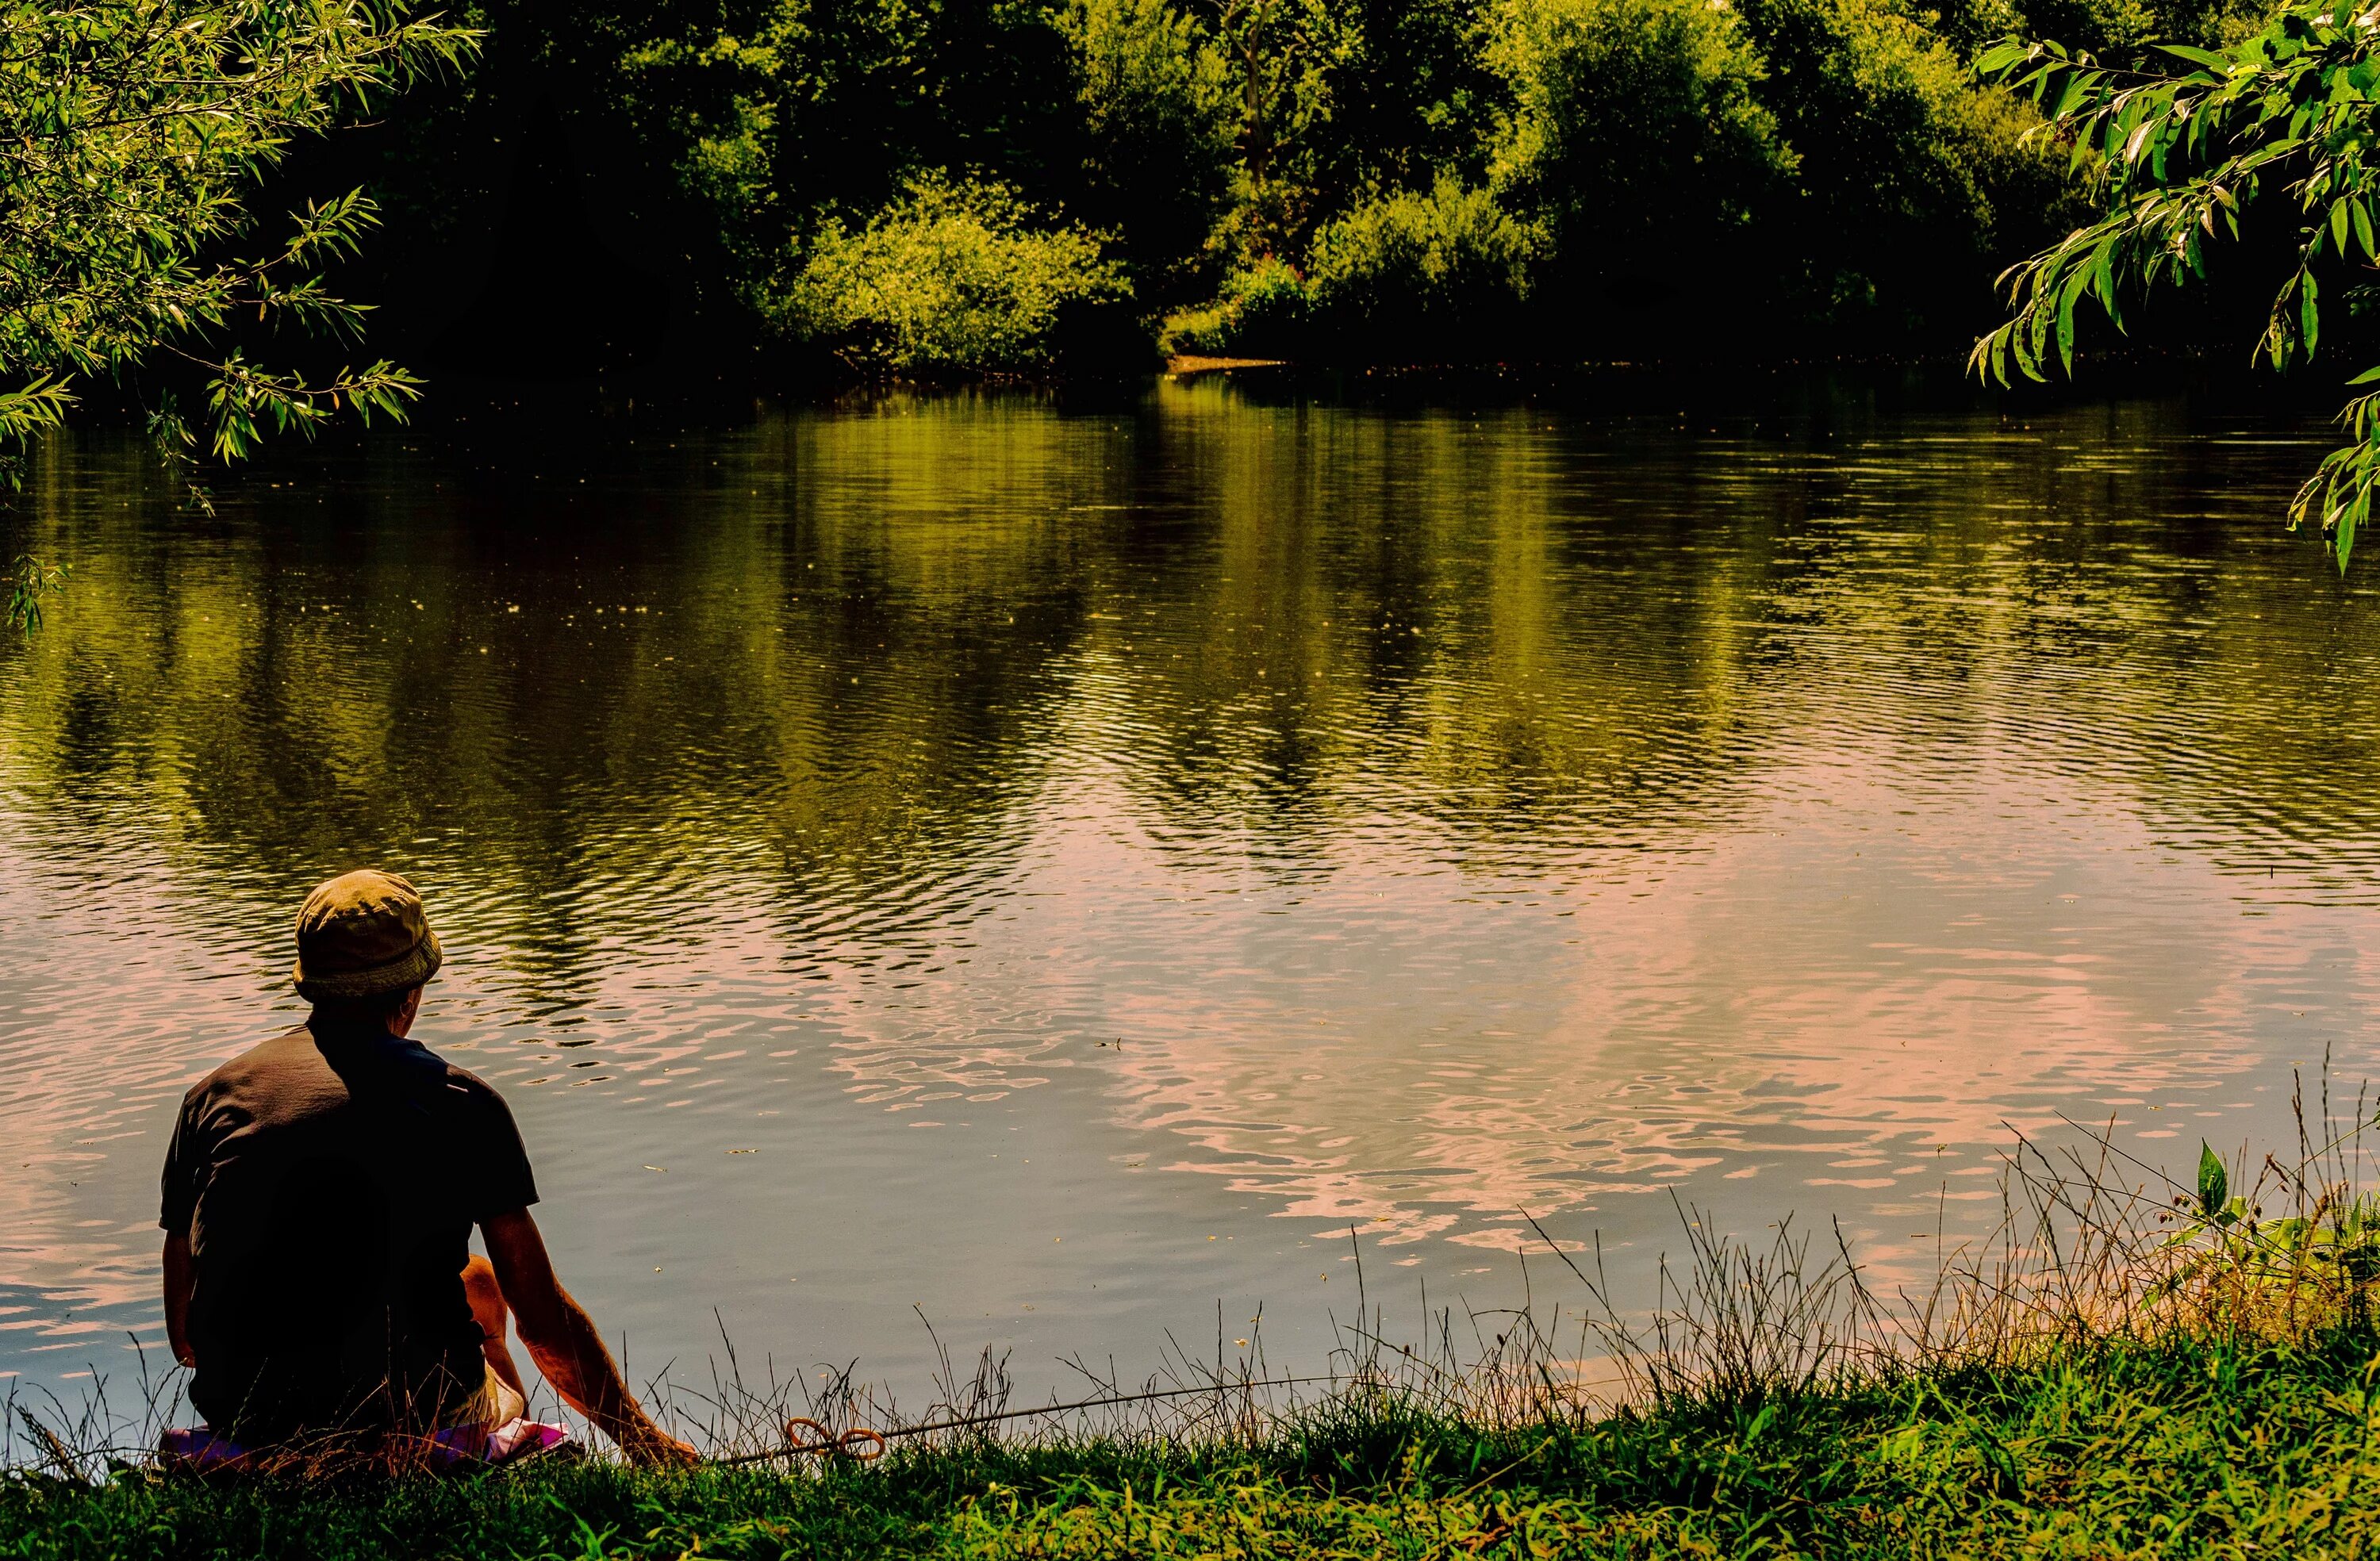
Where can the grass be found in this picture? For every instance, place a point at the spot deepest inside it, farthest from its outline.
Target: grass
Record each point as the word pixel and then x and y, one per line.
pixel 2169 1451
pixel 2127 1369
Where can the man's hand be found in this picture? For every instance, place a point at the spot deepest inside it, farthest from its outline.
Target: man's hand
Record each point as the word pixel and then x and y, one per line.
pixel 562 1339
pixel 656 1449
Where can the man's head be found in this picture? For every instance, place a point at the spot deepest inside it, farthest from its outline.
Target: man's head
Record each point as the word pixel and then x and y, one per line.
pixel 364 950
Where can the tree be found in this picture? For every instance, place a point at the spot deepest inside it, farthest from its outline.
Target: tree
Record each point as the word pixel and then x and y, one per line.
pixel 131 134
pixel 767 118
pixel 1912 175
pixel 1637 139
pixel 1427 276
pixel 1160 114
pixel 2188 141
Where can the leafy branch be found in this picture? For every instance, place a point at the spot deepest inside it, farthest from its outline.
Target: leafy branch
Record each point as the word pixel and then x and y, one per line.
pixel 28 580
pixel 2184 143
pixel 131 132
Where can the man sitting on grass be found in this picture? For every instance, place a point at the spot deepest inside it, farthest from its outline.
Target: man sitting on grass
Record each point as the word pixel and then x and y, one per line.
pixel 319 1198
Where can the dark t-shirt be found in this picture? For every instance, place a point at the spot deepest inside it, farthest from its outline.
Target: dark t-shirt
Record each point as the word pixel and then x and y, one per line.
pixel 328 1185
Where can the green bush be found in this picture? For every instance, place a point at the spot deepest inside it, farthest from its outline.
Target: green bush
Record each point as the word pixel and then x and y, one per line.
pixel 1264 310
pixel 950 277
pixel 1422 275
pixel 1636 136
pixel 1202 331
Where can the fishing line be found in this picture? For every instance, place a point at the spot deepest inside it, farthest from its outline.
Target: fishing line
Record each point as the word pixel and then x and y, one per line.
pixel 850 1443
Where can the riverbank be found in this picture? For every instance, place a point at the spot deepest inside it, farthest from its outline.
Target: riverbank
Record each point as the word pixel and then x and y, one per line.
pixel 2177 1449
pixel 2185 1372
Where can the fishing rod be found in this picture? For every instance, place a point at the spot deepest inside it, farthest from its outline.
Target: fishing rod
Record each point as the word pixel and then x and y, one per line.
pixel 864 1444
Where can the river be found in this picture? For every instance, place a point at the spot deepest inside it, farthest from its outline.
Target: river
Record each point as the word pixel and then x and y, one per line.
pixel 1056 870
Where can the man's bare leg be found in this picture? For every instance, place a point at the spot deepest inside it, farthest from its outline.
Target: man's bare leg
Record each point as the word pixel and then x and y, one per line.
pixel 488 1311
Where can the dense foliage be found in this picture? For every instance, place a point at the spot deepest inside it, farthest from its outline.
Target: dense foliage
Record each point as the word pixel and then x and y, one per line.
pixel 923 186
pixel 1374 180
pixel 132 133
pixel 2182 1450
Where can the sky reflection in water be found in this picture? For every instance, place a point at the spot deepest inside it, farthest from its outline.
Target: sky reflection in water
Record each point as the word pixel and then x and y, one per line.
pixel 1060 871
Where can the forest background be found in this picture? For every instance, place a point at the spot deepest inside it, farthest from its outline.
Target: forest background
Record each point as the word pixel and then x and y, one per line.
pixel 802 188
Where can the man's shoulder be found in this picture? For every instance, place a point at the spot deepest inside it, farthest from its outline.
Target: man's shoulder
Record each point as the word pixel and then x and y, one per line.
pixel 482 1125
pixel 292 1049
pixel 462 1082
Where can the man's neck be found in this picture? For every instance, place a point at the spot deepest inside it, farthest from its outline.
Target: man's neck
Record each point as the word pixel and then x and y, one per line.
pixel 339 1027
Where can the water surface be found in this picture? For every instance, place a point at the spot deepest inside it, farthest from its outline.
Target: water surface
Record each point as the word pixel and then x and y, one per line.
pixel 1057 872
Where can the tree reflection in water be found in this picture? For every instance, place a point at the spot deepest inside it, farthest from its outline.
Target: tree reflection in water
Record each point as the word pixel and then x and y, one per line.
pixel 1451 812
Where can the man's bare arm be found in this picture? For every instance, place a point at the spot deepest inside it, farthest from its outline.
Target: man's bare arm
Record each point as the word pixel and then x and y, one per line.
pixel 562 1341
pixel 181 1277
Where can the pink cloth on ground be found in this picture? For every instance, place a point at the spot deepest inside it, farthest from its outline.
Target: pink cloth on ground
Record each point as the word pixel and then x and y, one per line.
pixel 197 1447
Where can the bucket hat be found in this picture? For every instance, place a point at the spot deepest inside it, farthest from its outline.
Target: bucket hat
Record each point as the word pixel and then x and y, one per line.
pixel 362 934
